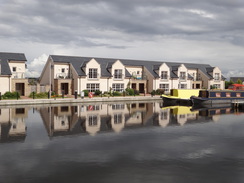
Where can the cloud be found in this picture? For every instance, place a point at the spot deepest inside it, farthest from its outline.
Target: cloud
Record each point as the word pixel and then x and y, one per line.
pixel 105 28
pixel 36 66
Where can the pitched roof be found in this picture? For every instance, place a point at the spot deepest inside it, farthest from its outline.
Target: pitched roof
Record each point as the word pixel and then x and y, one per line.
pixel 106 63
pixel 6 57
pixel 234 79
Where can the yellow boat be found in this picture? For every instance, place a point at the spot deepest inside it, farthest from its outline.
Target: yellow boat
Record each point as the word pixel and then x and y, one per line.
pixel 179 96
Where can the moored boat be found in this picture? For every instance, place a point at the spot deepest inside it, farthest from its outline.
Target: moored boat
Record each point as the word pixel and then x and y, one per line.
pixel 213 97
pixel 179 97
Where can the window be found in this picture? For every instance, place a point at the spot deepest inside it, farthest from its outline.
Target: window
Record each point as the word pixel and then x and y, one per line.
pixel 183 86
pixel 182 76
pixel 92 120
pixel 118 87
pixel 93 73
pixel 216 76
pixel 164 86
pixel 164 115
pixel 164 75
pixel 14 69
pixel 63 70
pixel 118 106
pixel 117 118
pixel 93 108
pixel 118 74
pixel 216 86
pixel 92 87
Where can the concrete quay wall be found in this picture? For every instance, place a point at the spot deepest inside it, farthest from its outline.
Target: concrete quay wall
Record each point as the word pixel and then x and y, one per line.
pixel 78 100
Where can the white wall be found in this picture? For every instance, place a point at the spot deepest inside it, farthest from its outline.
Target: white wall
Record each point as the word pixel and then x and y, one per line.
pixel 5 84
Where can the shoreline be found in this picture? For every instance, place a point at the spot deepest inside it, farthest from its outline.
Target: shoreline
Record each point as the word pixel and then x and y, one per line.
pixel 73 100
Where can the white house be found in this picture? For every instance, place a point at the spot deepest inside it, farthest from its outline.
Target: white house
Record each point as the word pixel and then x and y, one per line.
pixel 69 74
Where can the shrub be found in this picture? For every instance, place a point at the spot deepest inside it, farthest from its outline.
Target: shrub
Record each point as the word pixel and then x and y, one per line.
pixel 129 91
pixel 136 92
pixel 98 92
pixel 39 95
pixel 116 93
pixel 153 93
pixel 11 95
pixel 160 91
pixel 86 92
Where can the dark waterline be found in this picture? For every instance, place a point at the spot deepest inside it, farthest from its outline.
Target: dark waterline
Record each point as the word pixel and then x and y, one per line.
pixel 126 142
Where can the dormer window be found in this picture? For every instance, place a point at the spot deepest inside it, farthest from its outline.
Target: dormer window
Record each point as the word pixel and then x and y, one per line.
pixel 182 75
pixel 14 69
pixel 217 76
pixel 92 73
pixel 164 75
pixel 118 74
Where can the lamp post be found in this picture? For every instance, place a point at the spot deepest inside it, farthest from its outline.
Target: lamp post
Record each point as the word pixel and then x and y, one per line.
pixel 50 79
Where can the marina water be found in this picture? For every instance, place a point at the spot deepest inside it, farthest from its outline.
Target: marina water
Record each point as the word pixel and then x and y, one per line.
pixel 121 142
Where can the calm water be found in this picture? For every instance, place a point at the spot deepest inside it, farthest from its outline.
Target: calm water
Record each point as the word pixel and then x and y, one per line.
pixel 125 142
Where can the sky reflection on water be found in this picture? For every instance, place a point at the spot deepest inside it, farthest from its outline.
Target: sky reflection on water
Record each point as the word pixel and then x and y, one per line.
pixel 150 144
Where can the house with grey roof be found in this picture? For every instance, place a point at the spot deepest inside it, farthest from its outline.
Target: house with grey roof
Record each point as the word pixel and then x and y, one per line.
pixel 12 73
pixel 235 79
pixel 73 73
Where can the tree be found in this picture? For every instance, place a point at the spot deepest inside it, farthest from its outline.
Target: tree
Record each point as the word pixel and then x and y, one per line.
pixel 228 83
pixel 239 81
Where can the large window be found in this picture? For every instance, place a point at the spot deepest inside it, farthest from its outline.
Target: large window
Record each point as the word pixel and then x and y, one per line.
pixel 183 86
pixel 117 118
pixel 118 87
pixel 164 75
pixel 216 86
pixel 118 74
pixel 182 75
pixel 216 76
pixel 93 73
pixel 164 86
pixel 92 87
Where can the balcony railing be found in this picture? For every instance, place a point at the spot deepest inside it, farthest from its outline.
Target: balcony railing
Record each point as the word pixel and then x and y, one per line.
pixel 18 75
pixel 139 77
pixel 62 76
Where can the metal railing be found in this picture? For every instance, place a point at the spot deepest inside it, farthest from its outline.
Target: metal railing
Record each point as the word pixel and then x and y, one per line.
pixel 62 76
pixel 18 75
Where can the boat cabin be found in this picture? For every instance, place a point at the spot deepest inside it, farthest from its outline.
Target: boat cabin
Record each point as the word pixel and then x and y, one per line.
pixel 221 94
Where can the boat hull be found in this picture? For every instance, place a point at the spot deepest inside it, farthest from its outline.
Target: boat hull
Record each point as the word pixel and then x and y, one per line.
pixel 167 101
pixel 215 101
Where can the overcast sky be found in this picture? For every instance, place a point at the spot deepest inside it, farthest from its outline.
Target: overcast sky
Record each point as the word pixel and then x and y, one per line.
pixel 209 31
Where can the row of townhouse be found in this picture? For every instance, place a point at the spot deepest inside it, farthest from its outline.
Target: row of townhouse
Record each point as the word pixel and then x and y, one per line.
pixel 69 74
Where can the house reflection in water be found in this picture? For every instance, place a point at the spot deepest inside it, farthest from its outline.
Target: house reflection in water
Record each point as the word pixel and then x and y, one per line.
pixel 12 124
pixel 98 118
pixel 95 118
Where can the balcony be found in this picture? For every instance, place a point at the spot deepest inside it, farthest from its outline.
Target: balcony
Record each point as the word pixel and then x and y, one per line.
pixel 139 77
pixel 62 76
pixel 18 75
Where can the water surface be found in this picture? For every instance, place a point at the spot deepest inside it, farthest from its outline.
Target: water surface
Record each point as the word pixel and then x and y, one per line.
pixel 124 142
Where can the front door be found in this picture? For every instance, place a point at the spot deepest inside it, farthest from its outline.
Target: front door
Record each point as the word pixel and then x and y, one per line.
pixel 133 86
pixel 141 87
pixel 65 88
pixel 20 88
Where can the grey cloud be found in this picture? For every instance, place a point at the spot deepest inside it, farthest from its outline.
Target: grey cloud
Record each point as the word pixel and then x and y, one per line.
pixel 67 21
